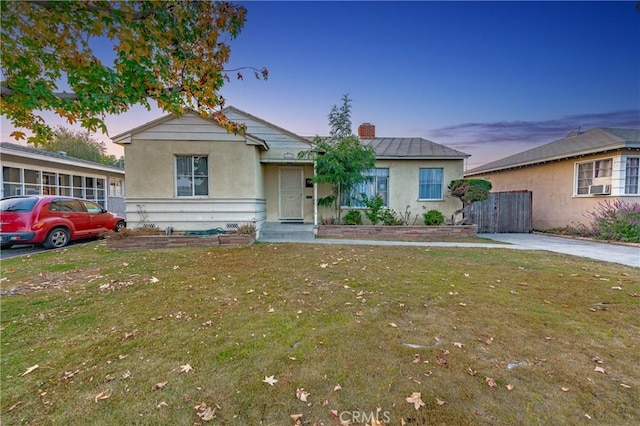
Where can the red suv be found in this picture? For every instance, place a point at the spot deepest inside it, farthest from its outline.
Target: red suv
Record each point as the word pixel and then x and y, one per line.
pixel 52 220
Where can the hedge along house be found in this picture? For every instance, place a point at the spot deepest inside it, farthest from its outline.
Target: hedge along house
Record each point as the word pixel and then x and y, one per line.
pixel 411 175
pixel 189 173
pixel 27 170
pixel 571 176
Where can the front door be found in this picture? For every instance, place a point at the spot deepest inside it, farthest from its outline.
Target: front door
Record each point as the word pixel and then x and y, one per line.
pixel 291 199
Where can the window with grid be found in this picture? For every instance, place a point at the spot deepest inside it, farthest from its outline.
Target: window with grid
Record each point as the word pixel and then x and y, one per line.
pixel 631 178
pixel 192 176
pixel 430 184
pixel 377 183
pixel 588 171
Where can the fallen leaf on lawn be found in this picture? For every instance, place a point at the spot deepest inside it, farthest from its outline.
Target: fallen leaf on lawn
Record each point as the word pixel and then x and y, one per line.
pixel 14 406
pixel 336 388
pixel 185 368
pixel 393 324
pixel 416 400
pixel 176 267
pixel 126 374
pixel 471 372
pixel 301 394
pixel 599 370
pixel 416 359
pixel 206 413
pixel 625 386
pixel 271 310
pixel 490 382
pixel 160 385
pixel 458 344
pixel 509 386
pixel 564 389
pixel 109 378
pixel 270 380
pixel 440 401
pixel 324 265
pixel 441 362
pixel 297 419
pixel 162 404
pixel 69 374
pixel 597 359
pixel 102 395
pixel 292 358
pixel 153 280
pixel 462 304
pixel 29 370
pixel 587 416
pixel 489 341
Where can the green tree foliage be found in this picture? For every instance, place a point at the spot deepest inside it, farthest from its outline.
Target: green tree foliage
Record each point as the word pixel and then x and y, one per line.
pixel 80 144
pixel 340 158
pixel 469 191
pixel 171 53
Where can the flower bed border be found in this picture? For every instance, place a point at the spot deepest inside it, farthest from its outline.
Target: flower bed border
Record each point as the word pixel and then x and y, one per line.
pixel 142 242
pixel 401 233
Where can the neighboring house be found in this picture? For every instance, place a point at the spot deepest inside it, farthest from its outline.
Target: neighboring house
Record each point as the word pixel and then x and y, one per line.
pixel 571 176
pixel 27 170
pixel 189 173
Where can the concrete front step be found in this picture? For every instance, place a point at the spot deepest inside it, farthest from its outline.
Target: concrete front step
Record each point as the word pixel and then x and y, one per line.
pixel 271 231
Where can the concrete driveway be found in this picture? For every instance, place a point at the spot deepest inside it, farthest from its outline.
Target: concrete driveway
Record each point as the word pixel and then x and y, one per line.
pixel 617 253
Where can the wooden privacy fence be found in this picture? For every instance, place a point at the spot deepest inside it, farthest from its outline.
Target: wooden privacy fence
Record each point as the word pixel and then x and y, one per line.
pixel 503 212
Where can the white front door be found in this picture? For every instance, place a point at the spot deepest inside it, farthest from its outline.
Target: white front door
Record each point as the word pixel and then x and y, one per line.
pixel 291 199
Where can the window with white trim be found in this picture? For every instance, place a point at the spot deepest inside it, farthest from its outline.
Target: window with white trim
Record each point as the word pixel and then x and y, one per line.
pixel 592 173
pixel 631 179
pixel 115 187
pixel 430 184
pixel 377 183
pixel 192 176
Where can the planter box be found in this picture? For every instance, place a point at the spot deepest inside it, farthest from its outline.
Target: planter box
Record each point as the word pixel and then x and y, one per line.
pixel 142 242
pixel 398 233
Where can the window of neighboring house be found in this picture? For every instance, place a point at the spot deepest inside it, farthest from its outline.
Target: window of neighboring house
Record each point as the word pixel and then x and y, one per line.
pixel 115 187
pixel 192 176
pixel 587 172
pixel 430 184
pixel 377 183
pixel 631 178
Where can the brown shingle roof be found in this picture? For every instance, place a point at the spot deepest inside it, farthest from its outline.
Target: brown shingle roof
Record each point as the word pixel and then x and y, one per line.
pixel 599 139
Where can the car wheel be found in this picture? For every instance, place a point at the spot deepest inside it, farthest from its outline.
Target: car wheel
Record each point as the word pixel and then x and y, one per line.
pixel 120 226
pixel 58 237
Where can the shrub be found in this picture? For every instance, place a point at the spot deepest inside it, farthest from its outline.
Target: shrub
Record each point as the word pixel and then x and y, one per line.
pixel 433 218
pixel 390 218
pixel 328 220
pixel 247 229
pixel 375 206
pixel 616 221
pixel 354 217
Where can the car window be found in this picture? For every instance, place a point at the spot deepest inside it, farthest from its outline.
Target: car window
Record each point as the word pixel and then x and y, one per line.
pixel 92 207
pixel 65 205
pixel 18 204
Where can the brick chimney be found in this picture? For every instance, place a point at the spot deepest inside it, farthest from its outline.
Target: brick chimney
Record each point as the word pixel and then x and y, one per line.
pixel 366 131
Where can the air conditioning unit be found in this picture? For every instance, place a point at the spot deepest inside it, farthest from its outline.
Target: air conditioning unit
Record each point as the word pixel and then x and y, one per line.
pixel 599 189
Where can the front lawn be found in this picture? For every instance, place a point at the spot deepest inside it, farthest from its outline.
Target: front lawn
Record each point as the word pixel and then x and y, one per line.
pixel 253 335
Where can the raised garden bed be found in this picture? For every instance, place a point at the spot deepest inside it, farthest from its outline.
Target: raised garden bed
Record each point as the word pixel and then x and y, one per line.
pixel 401 233
pixel 159 241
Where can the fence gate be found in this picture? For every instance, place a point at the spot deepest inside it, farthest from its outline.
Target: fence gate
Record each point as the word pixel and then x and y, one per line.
pixel 503 212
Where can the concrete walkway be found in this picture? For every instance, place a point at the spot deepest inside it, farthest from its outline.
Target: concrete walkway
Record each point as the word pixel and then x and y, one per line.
pixel 617 253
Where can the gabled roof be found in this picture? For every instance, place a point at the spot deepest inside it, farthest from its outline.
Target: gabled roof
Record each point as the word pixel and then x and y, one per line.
pixel 125 137
pixel 597 140
pixel 265 123
pixel 56 157
pixel 411 148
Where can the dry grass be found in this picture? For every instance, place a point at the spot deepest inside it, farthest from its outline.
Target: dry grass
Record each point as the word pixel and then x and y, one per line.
pixel 107 328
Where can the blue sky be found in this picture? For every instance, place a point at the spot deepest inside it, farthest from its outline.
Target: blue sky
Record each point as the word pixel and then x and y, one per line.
pixel 487 78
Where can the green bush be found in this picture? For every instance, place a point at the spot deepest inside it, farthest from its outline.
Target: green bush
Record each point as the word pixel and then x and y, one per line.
pixel 375 208
pixel 616 221
pixel 390 218
pixel 354 217
pixel 433 218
